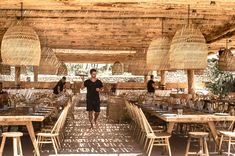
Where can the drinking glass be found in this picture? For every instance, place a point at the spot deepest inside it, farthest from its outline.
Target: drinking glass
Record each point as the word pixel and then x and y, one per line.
pixel 180 112
pixel 169 108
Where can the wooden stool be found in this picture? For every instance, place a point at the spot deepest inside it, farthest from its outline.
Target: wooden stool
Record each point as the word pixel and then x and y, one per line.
pixel 16 142
pixel 202 142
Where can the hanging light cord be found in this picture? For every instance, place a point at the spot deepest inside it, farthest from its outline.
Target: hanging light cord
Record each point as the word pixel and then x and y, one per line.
pixel 226 43
pixel 21 10
pixel 188 14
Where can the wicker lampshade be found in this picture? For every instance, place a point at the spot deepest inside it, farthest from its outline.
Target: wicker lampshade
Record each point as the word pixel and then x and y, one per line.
pixel 138 66
pixel 126 67
pixel 49 63
pixel 226 61
pixel 157 54
pixel 5 69
pixel 62 70
pixel 20 46
pixel 188 49
pixel 117 68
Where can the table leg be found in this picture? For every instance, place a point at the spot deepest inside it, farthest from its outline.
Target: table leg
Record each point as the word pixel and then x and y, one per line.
pixel 214 132
pixel 29 126
pixel 170 127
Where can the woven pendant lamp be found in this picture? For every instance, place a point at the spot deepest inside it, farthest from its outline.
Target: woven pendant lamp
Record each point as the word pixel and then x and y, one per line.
pixel 157 54
pixel 226 60
pixel 117 68
pixel 188 48
pixel 20 45
pixel 49 63
pixel 137 65
pixel 62 70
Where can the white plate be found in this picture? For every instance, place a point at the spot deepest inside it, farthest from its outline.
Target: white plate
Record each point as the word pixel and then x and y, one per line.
pixel 222 114
pixel 169 115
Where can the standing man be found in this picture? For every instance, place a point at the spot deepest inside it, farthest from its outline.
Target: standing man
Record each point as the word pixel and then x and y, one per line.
pixel 94 87
pixel 60 86
pixel 151 85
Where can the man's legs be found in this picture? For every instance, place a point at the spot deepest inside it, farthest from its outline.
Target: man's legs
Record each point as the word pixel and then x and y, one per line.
pixel 96 117
pixel 90 113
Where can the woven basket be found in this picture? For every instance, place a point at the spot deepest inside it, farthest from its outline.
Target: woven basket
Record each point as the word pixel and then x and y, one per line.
pixel 126 67
pixel 5 69
pixel 117 68
pixel 227 61
pixel 188 49
pixel 137 66
pixel 158 54
pixel 49 63
pixel 62 70
pixel 20 46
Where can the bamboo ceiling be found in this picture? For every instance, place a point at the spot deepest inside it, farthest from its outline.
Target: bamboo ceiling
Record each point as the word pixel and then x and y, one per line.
pixel 117 24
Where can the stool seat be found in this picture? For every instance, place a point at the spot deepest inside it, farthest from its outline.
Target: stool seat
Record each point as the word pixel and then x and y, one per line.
pixel 198 134
pixel 201 136
pixel 17 148
pixel 12 134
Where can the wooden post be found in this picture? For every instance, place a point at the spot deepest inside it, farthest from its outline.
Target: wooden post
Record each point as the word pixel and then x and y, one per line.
pixel 145 78
pixel 163 79
pixel 17 76
pixel 35 71
pixel 191 85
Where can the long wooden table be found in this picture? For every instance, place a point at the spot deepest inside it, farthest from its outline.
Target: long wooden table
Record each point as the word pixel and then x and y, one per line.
pixel 191 117
pixel 20 116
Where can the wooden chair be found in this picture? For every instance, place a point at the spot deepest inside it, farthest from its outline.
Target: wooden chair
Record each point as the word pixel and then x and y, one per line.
pixel 224 135
pixel 231 141
pixel 202 142
pixel 16 142
pixel 53 136
pixel 154 138
pixel 144 133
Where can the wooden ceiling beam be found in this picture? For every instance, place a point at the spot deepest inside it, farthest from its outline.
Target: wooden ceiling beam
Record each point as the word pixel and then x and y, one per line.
pixel 226 31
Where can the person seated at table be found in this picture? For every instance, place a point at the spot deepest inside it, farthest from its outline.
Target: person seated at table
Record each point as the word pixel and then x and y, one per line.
pixel 60 86
pixel 151 85
pixel 1 91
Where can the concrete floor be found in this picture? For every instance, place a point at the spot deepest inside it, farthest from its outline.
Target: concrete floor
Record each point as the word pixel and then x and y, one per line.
pixel 109 139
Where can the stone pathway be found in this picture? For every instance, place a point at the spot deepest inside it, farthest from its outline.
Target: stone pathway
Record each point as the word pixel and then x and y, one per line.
pixel 108 138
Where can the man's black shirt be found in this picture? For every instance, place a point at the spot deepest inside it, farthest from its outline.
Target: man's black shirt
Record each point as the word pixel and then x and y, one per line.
pixel 59 84
pixel 150 87
pixel 92 94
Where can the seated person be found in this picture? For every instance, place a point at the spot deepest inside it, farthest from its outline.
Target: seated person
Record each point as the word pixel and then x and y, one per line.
pixel 60 86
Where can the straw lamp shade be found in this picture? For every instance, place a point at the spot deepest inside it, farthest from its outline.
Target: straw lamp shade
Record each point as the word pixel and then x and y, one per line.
pixel 157 54
pixel 20 46
pixel 62 70
pixel 126 67
pixel 226 61
pixel 49 63
pixel 117 68
pixel 138 66
pixel 188 49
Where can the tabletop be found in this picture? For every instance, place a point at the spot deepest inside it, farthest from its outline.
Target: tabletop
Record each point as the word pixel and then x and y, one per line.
pixel 188 115
pixel 26 114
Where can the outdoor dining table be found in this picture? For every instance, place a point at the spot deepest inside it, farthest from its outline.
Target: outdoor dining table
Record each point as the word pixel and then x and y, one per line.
pixel 190 117
pixel 20 116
